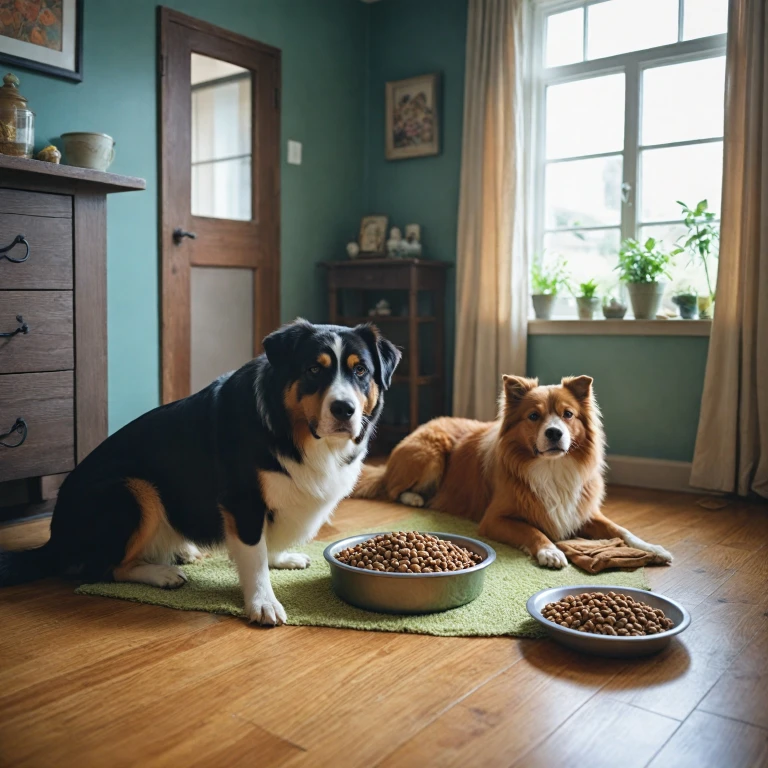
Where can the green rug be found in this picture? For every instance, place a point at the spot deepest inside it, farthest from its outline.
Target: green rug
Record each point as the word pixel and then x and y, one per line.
pixel 309 600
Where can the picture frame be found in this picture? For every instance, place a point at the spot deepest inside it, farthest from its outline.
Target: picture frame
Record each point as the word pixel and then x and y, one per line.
pixel 412 127
pixel 373 235
pixel 44 36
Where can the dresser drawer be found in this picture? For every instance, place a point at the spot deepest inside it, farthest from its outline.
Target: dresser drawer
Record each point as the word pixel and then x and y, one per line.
pixel 47 345
pixel 49 263
pixel 46 403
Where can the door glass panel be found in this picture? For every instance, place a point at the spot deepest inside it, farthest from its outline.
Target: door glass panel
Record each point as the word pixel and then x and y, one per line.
pixel 221 139
pixel 221 304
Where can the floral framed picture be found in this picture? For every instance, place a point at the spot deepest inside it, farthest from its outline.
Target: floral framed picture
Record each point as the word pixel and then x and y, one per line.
pixel 412 128
pixel 43 35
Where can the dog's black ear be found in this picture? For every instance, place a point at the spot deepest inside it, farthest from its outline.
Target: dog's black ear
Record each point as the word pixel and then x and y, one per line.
pixel 282 344
pixel 385 354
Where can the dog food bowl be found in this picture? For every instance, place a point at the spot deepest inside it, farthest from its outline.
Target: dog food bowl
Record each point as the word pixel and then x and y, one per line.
pixel 608 645
pixel 408 593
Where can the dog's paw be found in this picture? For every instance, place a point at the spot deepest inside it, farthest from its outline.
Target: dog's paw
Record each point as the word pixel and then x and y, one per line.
pixel 411 499
pixel 290 561
pixel 189 553
pixel 266 611
pixel 551 557
pixel 168 577
pixel 660 555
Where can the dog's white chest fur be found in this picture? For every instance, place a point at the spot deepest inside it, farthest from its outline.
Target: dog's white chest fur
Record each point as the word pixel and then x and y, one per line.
pixel 306 497
pixel 558 484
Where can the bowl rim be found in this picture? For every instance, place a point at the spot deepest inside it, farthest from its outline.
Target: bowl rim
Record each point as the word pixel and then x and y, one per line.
pixel 489 558
pixel 676 630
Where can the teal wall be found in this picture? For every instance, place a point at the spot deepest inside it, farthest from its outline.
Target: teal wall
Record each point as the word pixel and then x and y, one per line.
pixel 649 388
pixel 337 56
pixel 323 49
pixel 408 38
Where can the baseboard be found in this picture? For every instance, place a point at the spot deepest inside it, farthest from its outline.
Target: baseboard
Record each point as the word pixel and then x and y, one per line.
pixel 662 474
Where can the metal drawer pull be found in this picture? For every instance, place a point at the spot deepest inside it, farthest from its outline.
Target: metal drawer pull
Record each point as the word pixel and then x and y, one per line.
pixel 19 426
pixel 23 327
pixel 17 240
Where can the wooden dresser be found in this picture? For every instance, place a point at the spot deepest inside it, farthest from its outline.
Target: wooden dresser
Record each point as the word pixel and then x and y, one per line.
pixel 53 323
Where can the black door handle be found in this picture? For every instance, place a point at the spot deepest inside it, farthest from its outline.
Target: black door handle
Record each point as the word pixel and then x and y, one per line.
pixel 19 426
pixel 19 239
pixel 179 234
pixel 23 327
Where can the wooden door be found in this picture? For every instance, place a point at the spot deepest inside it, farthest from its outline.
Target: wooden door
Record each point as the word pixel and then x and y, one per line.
pixel 220 199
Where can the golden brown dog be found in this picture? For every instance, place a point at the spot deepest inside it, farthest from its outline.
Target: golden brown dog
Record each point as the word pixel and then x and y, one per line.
pixel 532 477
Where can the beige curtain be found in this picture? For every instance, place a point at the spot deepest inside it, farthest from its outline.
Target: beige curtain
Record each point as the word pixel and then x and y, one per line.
pixel 492 270
pixel 732 441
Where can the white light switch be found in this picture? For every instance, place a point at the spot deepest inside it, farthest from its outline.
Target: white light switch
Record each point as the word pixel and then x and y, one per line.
pixel 294 152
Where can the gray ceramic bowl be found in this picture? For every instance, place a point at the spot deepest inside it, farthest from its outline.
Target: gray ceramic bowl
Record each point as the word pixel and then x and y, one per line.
pixel 408 593
pixel 607 645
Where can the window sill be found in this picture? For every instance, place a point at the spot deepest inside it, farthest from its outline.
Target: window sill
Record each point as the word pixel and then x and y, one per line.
pixel 619 327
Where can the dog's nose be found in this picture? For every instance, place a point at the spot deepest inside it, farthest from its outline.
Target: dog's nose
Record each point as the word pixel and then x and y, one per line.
pixel 342 409
pixel 553 433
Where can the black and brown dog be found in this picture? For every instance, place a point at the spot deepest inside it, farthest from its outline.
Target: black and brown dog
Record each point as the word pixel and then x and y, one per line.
pixel 258 460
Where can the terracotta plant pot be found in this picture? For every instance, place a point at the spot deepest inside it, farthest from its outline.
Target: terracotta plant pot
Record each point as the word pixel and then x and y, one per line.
pixel 646 299
pixel 686 303
pixel 543 304
pixel 587 307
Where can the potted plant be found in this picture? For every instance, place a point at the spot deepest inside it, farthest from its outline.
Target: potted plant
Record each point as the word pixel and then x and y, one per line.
pixel 587 301
pixel 703 234
pixel 640 267
pixel 613 309
pixel 546 283
pixel 686 301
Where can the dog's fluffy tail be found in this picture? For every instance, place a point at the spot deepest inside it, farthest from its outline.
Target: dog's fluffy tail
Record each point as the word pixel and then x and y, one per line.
pixel 371 484
pixel 26 565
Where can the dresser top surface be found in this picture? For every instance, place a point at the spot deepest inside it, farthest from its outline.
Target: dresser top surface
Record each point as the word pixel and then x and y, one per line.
pixel 107 182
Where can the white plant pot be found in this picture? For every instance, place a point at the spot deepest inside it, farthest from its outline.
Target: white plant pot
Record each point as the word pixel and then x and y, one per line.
pixel 646 299
pixel 543 304
pixel 587 307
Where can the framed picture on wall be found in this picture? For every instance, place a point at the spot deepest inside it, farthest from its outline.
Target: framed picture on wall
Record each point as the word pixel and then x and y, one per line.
pixel 43 35
pixel 412 128
pixel 373 235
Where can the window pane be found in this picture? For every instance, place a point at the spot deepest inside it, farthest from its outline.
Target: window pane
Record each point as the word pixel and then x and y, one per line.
pixel 704 18
pixel 683 101
pixel 565 38
pixel 585 117
pixel 591 255
pixel 584 193
pixel 221 139
pixel 222 189
pixel 689 174
pixel 620 26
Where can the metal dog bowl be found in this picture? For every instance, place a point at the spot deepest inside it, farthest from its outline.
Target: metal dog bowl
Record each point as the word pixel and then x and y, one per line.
pixel 408 592
pixel 608 645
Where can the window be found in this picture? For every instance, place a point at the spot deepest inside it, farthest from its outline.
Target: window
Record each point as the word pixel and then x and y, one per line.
pixel 629 111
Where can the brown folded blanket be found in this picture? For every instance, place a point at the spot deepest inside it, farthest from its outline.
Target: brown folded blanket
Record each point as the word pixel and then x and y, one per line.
pixel 595 555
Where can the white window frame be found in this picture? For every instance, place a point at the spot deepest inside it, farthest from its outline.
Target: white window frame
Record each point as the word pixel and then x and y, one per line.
pixel 632 65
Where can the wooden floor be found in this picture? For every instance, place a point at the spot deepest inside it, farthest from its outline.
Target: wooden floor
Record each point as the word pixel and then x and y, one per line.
pixel 89 681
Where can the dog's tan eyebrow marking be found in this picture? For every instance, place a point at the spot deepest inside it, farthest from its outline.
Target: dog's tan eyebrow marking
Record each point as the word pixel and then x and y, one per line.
pixel 353 360
pixel 324 360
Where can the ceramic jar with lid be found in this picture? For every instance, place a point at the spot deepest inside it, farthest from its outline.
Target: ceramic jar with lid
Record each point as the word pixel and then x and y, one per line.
pixel 17 120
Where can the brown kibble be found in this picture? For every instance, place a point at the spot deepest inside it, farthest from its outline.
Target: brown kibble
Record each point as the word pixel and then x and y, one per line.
pixel 612 614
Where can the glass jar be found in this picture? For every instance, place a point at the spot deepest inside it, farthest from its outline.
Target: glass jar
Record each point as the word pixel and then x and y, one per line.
pixel 17 121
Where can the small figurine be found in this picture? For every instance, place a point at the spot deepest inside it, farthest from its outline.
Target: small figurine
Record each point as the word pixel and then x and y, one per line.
pixel 382 309
pixel 394 244
pixel 353 250
pixel 49 154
